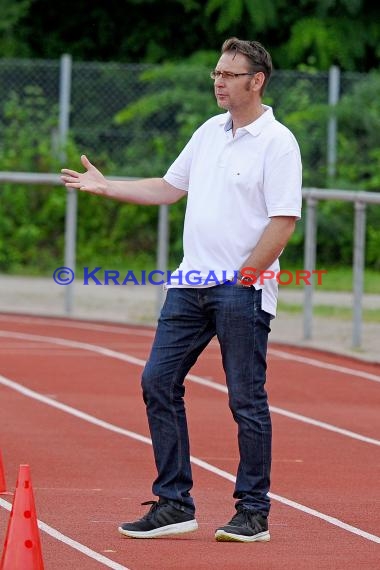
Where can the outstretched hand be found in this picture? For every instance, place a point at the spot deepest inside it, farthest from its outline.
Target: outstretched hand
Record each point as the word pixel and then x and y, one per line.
pixel 90 181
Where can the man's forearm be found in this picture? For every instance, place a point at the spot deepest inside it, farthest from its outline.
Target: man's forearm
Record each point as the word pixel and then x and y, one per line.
pixel 144 191
pixel 149 191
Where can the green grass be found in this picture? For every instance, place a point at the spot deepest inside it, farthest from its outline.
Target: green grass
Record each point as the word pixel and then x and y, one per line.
pixel 331 311
pixel 340 279
pixel 123 264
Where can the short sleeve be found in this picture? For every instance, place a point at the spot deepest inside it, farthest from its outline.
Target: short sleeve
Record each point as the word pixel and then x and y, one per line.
pixel 283 183
pixel 178 173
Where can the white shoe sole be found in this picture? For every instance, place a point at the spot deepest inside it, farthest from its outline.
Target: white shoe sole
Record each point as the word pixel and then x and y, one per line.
pixel 170 529
pixel 223 536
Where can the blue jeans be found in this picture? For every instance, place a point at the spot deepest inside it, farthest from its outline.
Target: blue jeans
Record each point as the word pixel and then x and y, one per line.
pixel 189 319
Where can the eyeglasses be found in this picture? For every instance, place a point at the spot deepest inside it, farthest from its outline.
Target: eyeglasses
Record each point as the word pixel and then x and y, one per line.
pixel 227 74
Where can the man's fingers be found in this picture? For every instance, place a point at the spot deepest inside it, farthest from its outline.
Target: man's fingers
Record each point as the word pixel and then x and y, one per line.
pixel 73 185
pixel 70 178
pixel 86 163
pixel 86 181
pixel 68 172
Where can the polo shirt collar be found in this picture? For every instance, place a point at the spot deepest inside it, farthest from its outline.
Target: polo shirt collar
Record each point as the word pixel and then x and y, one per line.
pixel 253 128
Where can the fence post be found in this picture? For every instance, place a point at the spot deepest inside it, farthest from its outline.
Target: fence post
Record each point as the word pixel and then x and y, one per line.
pixel 333 98
pixel 358 272
pixel 162 250
pixel 309 263
pixel 71 195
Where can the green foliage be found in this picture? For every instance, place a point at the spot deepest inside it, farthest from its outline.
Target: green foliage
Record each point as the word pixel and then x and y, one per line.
pixel 358 114
pixel 358 158
pixel 309 32
pixel 300 103
pixel 12 15
pixel 32 217
pixel 179 92
pixel 260 13
pixel 358 164
pixel 20 136
pixel 321 42
pixel 29 220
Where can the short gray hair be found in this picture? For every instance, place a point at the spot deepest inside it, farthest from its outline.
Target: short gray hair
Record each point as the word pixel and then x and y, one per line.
pixel 259 58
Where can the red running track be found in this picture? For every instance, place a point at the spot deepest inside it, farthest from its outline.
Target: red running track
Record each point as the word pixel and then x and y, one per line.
pixel 71 408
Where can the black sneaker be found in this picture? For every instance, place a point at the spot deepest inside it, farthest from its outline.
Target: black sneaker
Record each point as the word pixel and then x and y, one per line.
pixel 163 519
pixel 246 526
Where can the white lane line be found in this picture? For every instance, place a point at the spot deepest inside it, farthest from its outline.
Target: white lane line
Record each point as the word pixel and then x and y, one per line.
pixel 75 344
pixel 192 377
pixel 292 415
pixel 70 542
pixel 69 409
pixel 325 365
pixel 195 460
pixel 128 329
pixel 332 520
pixel 324 425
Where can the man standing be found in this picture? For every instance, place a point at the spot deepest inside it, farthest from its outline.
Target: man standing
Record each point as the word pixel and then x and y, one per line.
pixel 241 173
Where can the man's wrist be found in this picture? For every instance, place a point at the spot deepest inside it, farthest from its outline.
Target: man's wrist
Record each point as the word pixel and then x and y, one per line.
pixel 248 276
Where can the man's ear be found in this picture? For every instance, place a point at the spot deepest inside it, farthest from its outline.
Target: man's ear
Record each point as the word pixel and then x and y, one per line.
pixel 258 81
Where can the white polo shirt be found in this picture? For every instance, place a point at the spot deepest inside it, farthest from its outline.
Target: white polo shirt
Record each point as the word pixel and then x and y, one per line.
pixel 235 185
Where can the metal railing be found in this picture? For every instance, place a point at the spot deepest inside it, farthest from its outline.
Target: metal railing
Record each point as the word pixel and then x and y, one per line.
pixel 311 196
pixel 360 200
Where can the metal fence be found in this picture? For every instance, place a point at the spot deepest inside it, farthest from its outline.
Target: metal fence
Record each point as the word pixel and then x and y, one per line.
pixel 360 201
pixel 85 98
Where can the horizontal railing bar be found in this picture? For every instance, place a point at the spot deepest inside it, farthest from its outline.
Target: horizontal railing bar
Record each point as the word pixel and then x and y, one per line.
pixel 316 193
pixel 30 177
pixel 345 195
pixel 44 178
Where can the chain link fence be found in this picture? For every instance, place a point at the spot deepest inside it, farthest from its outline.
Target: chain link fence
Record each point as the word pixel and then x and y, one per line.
pixel 164 105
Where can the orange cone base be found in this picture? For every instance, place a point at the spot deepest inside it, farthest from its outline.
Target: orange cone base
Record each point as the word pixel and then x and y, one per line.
pixel 22 547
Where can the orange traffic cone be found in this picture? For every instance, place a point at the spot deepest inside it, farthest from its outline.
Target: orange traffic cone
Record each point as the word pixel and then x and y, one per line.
pixel 22 547
pixel 3 486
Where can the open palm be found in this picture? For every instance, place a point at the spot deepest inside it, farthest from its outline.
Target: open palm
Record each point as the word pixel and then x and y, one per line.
pixel 90 181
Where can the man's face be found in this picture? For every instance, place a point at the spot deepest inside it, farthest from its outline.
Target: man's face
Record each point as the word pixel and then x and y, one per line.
pixel 233 92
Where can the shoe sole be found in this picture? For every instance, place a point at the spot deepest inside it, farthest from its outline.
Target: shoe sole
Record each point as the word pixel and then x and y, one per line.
pixel 170 529
pixel 223 536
